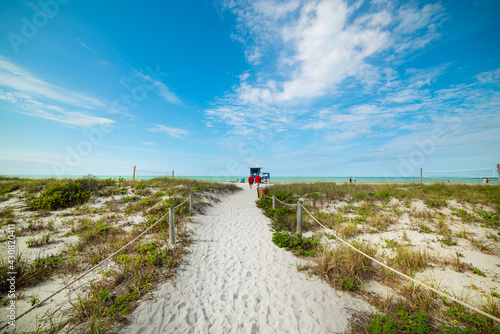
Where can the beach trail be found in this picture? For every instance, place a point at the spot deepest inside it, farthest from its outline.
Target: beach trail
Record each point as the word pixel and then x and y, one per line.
pixel 235 280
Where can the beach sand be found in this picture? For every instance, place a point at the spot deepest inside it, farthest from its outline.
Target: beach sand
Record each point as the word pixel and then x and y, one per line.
pixel 235 280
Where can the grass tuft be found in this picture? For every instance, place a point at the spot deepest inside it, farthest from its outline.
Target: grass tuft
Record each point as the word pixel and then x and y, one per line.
pixel 345 267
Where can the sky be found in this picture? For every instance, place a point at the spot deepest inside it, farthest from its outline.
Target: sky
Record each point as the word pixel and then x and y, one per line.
pixel 209 87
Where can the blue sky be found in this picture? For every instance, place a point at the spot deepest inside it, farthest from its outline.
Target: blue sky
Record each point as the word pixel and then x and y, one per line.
pixel 303 88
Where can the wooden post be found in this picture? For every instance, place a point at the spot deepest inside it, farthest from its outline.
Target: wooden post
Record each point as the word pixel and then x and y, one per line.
pixel 191 202
pixel 299 218
pixel 171 225
pixel 133 175
pixel 498 171
pixel 420 175
pixel 172 174
pixel 274 201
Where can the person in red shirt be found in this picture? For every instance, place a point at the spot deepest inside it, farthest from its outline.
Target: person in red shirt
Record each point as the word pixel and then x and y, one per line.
pixel 250 181
pixel 257 180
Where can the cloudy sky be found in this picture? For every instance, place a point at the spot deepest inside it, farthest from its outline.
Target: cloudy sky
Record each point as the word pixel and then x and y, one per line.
pixel 208 87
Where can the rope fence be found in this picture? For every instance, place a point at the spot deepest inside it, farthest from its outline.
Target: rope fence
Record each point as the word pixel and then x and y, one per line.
pixel 150 171
pixel 172 242
pixel 301 207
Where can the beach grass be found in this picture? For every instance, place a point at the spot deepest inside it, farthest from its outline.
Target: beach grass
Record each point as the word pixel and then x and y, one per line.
pixel 89 219
pixel 443 213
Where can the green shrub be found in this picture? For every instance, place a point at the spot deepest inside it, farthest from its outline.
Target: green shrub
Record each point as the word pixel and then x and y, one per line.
pixel 478 272
pixel 383 195
pixel 146 247
pixel 284 218
pixel 60 196
pixel 121 191
pixel 436 203
pixel 63 193
pixel 296 244
pixel 141 205
pixel 402 322
pixel 469 322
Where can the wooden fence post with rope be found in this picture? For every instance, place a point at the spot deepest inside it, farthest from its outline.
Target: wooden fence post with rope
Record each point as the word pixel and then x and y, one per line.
pixel 470 307
pixel 498 171
pixel 299 218
pixel 171 225
pixel 300 208
pixel 171 214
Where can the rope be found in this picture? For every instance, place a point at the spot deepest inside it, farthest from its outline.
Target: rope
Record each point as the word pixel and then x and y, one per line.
pixel 181 204
pixel 455 177
pixel 85 273
pixel 408 277
pixel 148 171
pixel 286 203
pixel 463 170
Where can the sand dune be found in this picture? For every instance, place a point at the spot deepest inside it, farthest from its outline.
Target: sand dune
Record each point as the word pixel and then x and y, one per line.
pixel 237 281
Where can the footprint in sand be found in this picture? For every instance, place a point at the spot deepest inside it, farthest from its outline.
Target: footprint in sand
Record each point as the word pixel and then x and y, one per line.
pixel 236 257
pixel 191 318
pixel 181 305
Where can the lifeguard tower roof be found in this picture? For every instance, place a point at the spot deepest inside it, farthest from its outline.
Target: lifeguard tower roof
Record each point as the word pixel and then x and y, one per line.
pixel 255 169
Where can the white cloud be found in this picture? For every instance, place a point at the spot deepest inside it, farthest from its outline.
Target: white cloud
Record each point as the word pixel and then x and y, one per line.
pixel 26 92
pixel 101 60
pixel 323 43
pixel 489 77
pixel 160 88
pixel 149 143
pixel 174 132
pixel 337 77
pixel 29 106
pixel 16 78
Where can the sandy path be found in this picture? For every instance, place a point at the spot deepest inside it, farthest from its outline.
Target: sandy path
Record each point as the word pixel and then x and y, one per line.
pixel 237 281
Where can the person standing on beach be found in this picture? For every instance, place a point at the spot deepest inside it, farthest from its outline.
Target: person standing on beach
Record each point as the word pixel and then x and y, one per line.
pixel 350 179
pixel 250 181
pixel 355 179
pixel 257 180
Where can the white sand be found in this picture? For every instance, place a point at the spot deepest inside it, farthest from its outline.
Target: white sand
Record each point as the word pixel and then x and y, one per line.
pixel 237 281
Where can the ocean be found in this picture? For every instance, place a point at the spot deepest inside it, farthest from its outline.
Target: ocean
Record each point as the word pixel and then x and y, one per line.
pixel 288 179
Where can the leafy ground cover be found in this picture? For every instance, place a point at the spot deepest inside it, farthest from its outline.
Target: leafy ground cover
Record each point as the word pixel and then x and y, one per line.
pixel 425 231
pixel 64 227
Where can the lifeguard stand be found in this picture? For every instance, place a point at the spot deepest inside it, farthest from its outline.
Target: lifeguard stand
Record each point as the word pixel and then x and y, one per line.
pixel 254 170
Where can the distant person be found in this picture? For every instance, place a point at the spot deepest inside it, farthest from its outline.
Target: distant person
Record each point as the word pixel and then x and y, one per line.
pixel 381 180
pixel 257 180
pixel 250 181
pixel 355 179
pixel 237 180
pixel 350 179
pixel 487 180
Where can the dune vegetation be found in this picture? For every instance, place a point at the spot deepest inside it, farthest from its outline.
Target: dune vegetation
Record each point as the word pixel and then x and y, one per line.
pixel 63 227
pixel 441 234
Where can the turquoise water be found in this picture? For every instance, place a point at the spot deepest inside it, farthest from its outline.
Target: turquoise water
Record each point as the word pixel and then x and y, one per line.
pixel 289 179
